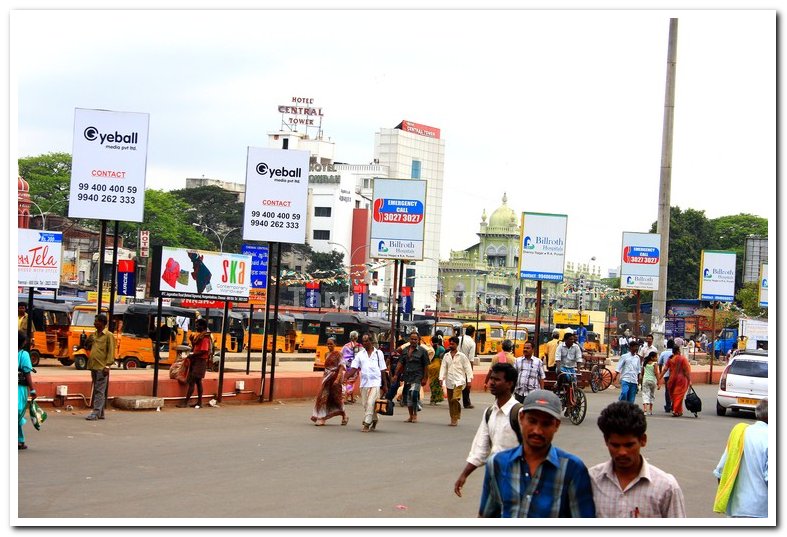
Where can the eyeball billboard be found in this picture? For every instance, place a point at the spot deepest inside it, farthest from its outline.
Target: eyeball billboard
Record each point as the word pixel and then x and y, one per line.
pixel 639 265
pixel 398 212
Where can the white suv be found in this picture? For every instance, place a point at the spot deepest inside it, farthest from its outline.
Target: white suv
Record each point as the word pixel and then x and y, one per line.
pixel 744 382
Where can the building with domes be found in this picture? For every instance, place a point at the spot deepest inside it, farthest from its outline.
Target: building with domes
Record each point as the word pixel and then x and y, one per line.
pixel 488 273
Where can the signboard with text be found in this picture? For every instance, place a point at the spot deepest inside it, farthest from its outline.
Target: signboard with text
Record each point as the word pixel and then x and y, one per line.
pixel 277 183
pixel 717 275
pixel 639 264
pixel 39 258
pixel 398 219
pixel 197 274
pixel 108 165
pixel 543 246
pixel 764 285
pixel 312 298
pixel 126 278
pixel 259 273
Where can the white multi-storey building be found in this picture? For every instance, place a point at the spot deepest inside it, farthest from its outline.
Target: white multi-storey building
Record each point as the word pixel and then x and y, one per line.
pixel 414 151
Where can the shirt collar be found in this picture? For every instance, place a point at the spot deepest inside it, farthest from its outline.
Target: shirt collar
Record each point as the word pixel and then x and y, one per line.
pixel 644 472
pixel 506 408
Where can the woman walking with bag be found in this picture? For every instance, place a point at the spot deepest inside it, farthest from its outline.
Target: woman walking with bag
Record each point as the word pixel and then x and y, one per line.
pixel 200 345
pixel 25 384
pixel 433 371
pixel 679 377
pixel 330 401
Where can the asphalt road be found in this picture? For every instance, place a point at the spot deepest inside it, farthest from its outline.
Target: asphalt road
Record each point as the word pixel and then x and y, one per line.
pixel 269 461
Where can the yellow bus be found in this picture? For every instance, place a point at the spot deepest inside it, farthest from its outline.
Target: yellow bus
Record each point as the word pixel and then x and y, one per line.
pixel 254 332
pixel 488 337
pixel 307 331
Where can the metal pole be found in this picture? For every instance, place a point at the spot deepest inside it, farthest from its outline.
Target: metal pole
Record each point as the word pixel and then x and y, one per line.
pixel 114 273
pixel 637 316
pixel 665 187
pixel 275 319
pixel 248 348
pixel 399 305
pixel 538 317
pixel 223 350
pixel 30 317
pixel 101 247
pixel 394 304
pixel 264 329
pixel 156 351
pixel 518 300
pixel 712 340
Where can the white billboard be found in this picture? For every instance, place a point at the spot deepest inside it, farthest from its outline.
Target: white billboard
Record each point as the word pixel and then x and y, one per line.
pixel 764 286
pixel 398 219
pixel 543 246
pixel 108 165
pixel 277 182
pixel 39 258
pixel 201 275
pixel 639 264
pixel 717 276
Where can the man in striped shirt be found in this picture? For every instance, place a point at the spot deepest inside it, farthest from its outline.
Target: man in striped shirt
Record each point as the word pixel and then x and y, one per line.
pixel 530 373
pixel 537 479
pixel 627 486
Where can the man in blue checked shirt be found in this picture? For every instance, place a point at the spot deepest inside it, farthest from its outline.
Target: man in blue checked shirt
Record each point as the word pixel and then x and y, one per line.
pixel 537 479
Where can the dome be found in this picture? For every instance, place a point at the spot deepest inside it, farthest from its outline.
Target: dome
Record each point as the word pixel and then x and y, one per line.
pixel 504 216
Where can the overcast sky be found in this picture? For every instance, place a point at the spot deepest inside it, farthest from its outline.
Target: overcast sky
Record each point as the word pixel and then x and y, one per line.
pixel 561 110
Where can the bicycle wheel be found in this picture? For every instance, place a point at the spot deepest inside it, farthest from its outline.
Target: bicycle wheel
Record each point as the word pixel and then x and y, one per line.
pixel 595 379
pixel 577 412
pixel 605 376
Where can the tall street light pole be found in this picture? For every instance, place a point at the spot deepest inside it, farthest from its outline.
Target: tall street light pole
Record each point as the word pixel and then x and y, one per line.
pixel 221 239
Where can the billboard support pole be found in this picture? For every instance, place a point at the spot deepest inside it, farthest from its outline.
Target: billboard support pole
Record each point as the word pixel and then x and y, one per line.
pixel 394 306
pixel 713 306
pixel 636 317
pixel 102 244
pixel 538 316
pixel 112 279
pixel 275 319
pixel 399 305
pixel 264 331
pixel 223 351
pixel 248 347
pixel 156 350
pixel 518 300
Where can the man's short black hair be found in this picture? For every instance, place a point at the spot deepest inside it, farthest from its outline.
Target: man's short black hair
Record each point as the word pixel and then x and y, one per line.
pixel 102 317
pixel 623 418
pixel 509 371
pixel 470 330
pixel 454 339
pixel 201 322
pixel 670 343
pixel 507 345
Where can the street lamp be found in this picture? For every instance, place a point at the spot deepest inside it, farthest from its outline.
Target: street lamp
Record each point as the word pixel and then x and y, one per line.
pixel 221 239
pixel 42 213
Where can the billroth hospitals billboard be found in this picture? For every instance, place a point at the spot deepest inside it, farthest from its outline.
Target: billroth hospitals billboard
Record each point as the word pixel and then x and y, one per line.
pixel 543 246
pixel 639 264
pixel 398 219
pixel 717 276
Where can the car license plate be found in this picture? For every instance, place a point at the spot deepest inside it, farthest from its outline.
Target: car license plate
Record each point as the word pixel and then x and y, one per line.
pixel 744 401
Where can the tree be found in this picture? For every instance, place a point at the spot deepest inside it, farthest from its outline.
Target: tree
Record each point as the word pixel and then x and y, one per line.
pixel 329 269
pixel 49 177
pixel 166 217
pixel 217 209
pixel 749 299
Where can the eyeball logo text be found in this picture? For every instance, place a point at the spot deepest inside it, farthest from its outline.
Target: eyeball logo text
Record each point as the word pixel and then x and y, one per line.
pixel 263 169
pixel 707 275
pixel 381 247
pixel 92 134
pixel 528 245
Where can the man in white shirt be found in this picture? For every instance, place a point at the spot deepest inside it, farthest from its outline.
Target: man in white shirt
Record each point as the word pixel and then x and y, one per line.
pixel 467 347
pixel 455 370
pixel 494 432
pixel 374 374
pixel 647 348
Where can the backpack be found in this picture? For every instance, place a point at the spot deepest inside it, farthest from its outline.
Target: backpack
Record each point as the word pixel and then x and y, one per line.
pixel 513 419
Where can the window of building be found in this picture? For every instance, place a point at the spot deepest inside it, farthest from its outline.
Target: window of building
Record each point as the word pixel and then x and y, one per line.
pixel 366 182
pixel 416 170
pixel 322 211
pixel 357 204
pixel 321 235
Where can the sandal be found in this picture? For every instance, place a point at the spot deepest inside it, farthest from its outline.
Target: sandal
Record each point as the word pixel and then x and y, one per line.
pixel 345 420
pixel 22 446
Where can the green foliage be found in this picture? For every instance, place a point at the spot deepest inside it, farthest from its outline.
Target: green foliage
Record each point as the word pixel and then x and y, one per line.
pixel 166 217
pixel 749 299
pixel 217 209
pixel 49 177
pixel 329 265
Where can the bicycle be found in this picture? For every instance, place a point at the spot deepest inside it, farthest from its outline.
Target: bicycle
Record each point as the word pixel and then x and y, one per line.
pixel 600 378
pixel 572 398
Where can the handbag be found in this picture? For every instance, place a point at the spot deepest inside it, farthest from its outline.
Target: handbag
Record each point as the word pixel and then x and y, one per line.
pixel 384 406
pixel 37 415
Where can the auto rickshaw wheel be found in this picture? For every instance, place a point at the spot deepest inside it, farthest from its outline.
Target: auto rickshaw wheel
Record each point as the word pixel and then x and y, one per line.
pixel 80 361
pixel 131 363
pixel 66 362
pixel 35 357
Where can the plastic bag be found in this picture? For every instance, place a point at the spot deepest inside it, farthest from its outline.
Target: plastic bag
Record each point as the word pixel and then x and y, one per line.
pixel 37 415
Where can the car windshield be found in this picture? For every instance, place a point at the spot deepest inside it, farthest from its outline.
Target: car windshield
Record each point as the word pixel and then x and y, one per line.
pixel 749 368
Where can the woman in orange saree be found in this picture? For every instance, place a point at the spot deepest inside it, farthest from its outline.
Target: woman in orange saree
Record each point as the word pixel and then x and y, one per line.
pixel 679 378
pixel 330 401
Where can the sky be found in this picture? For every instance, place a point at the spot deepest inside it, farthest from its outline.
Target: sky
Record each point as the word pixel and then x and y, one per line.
pixel 560 110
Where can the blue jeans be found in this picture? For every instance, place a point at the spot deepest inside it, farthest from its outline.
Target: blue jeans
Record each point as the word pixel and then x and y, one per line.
pixel 628 391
